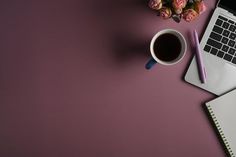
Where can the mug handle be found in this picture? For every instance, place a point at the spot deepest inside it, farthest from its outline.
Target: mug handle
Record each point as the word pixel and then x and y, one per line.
pixel 150 63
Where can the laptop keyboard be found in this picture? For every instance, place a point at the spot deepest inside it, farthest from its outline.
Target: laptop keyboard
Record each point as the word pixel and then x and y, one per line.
pixel 222 40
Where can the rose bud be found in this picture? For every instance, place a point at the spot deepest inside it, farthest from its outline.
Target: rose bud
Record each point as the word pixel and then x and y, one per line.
pixel 178 11
pixel 165 12
pixel 155 4
pixel 189 15
pixel 200 7
pixel 179 4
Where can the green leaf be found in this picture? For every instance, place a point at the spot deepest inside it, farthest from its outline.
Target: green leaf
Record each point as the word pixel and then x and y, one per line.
pixel 176 18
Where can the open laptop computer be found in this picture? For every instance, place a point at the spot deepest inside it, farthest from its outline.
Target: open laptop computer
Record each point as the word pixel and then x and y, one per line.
pixel 218 46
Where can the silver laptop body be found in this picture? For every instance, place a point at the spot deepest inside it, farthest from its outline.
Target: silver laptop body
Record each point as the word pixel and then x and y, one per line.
pixel 219 61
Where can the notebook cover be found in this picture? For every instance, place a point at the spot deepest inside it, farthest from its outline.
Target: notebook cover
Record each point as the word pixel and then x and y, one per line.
pixel 223 113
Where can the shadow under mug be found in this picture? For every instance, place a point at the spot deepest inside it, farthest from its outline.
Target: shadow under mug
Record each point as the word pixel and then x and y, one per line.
pixel 182 50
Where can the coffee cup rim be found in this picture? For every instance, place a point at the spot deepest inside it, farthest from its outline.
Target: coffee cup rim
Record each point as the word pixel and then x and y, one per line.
pixel 183 46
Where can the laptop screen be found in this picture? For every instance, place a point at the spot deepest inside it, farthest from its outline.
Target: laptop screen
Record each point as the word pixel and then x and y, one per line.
pixel 228 5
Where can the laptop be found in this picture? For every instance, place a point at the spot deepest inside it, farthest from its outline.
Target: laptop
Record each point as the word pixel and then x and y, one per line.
pixel 218 47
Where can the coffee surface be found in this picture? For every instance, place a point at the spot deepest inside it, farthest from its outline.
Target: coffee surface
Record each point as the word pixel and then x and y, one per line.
pixel 167 47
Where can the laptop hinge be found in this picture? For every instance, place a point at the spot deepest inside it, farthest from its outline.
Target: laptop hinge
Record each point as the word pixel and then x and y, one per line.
pixel 228 9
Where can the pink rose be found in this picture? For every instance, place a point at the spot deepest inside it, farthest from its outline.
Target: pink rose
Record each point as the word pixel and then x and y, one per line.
pixel 155 4
pixel 189 15
pixel 200 7
pixel 179 4
pixel 165 12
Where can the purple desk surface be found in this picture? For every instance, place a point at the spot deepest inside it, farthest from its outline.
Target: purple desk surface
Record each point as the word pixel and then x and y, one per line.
pixel 73 83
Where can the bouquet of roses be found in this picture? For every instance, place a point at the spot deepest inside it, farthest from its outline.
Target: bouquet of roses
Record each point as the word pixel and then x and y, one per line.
pixel 178 9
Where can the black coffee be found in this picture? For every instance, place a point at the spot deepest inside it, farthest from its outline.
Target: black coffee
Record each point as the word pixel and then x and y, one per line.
pixel 167 47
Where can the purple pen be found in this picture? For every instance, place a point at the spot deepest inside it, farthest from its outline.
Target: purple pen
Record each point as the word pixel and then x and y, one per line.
pixel 201 68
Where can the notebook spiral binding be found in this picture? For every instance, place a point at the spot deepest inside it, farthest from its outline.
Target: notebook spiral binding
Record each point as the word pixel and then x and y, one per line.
pixel 220 131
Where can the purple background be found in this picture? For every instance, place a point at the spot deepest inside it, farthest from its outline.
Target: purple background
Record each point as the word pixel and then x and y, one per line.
pixel 73 83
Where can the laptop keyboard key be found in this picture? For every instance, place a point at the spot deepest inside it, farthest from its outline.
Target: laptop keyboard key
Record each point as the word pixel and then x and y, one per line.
pixel 232 28
pixel 220 54
pixel 225 48
pixel 225 25
pixel 231 43
pixel 217 29
pixel 207 48
pixel 231 51
pixel 234 60
pixel 224 40
pixel 230 21
pixel 213 51
pixel 228 57
pixel 226 33
pixel 232 36
pixel 223 18
pixel 219 22
pixel 215 36
pixel 214 43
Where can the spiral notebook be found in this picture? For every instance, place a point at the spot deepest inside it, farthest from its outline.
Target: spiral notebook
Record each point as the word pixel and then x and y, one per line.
pixel 222 110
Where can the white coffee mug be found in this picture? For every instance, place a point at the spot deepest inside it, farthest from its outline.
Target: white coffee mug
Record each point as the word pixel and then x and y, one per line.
pixel 171 40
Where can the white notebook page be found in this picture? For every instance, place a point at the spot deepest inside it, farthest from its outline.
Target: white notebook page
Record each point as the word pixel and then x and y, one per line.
pixel 223 113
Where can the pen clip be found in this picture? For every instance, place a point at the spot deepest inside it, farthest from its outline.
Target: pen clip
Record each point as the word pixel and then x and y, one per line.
pixel 205 72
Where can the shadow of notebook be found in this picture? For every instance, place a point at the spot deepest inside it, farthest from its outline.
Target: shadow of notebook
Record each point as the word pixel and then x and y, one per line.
pixel 218 46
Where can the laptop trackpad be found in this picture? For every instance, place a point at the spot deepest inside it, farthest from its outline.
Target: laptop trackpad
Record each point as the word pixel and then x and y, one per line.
pixel 221 76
